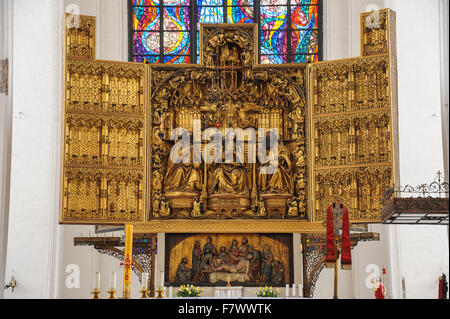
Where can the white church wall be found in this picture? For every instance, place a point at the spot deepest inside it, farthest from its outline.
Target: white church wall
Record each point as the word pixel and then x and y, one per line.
pixel 5 134
pixel 424 249
pixel 444 48
pixel 34 187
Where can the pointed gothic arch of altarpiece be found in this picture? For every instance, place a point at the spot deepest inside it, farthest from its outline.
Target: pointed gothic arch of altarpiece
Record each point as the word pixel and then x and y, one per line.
pixel 337 124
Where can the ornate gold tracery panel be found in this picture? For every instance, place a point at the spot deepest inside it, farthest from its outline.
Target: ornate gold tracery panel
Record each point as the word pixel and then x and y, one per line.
pixel 336 121
pixel 104 134
pixel 353 116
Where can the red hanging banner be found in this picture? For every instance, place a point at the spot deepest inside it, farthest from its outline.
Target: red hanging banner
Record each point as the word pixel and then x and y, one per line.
pixel 346 254
pixel 331 243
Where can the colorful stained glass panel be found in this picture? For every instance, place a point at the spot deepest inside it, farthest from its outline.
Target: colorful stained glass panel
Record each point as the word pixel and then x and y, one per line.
pixel 210 15
pixel 146 18
pixel 177 59
pixel 280 42
pixel 239 14
pixel 146 58
pixel 176 18
pixel 176 43
pixel 146 43
pixel 304 42
pixel 145 2
pixel 273 59
pixel 304 17
pixel 176 2
pixel 239 3
pixel 213 3
pixel 273 2
pixel 273 18
pixel 273 42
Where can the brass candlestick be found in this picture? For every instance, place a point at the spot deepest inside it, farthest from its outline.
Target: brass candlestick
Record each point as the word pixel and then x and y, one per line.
pixel 112 294
pixel 160 293
pixel 96 294
pixel 144 294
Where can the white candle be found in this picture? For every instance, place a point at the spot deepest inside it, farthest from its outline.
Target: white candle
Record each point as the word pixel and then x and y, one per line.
pixel 293 290
pixel 112 281
pixel 97 281
pixel 170 292
pixel 162 278
pixel 287 290
pixel 145 281
pixel 300 290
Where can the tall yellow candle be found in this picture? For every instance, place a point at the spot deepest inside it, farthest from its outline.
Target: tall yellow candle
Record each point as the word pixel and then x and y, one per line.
pixel 128 258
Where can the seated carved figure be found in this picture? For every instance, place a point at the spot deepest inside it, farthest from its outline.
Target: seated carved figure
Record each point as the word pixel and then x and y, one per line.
pixel 278 179
pixel 183 177
pixel 229 178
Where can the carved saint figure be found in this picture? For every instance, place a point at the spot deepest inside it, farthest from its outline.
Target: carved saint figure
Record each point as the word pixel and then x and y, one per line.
pixel 261 208
pixel 197 208
pixel 229 178
pixel 165 208
pixel 267 260
pixel 183 177
pixel 293 207
pixel 278 180
pixel 196 259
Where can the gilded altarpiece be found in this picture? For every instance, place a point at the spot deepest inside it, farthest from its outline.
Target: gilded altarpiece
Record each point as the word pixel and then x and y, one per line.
pixel 336 124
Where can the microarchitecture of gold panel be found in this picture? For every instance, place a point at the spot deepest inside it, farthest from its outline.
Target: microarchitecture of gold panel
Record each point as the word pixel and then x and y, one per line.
pixel 104 158
pixel 354 124
pixel 378 32
pixel 79 37
pixel 352 141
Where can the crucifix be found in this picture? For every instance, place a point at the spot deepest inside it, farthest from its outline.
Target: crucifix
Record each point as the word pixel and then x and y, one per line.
pixel 338 225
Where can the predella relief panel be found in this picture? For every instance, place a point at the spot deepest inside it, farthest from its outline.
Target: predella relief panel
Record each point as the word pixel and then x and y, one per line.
pixel 238 259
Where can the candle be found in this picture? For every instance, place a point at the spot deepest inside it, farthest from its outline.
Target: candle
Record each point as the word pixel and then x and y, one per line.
pixel 293 290
pixel 170 292
pixel 162 279
pixel 287 290
pixel 112 281
pixel 97 281
pixel 145 281
pixel 128 260
pixel 300 290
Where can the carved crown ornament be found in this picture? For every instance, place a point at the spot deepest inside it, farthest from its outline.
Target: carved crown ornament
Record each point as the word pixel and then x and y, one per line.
pixel 334 122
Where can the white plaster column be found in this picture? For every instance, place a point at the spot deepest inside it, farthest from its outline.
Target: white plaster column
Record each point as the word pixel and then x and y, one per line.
pixel 297 260
pixel 35 170
pixel 5 134
pixel 160 259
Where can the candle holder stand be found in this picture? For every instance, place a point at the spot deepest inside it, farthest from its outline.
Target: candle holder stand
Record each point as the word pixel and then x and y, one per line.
pixel 144 294
pixel 112 294
pixel 96 294
pixel 159 293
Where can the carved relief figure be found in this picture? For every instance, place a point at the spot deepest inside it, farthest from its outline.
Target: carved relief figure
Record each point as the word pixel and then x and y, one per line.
pixel 183 272
pixel 183 177
pixel 278 180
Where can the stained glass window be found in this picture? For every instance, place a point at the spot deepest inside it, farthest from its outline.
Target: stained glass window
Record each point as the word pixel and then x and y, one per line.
pixel 167 31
